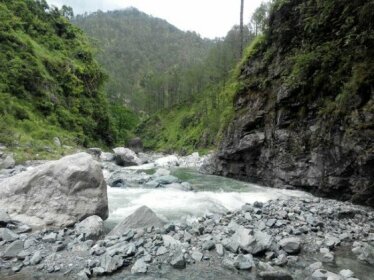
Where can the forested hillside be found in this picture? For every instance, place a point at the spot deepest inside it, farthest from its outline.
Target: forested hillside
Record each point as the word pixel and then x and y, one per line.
pixel 50 84
pixel 151 64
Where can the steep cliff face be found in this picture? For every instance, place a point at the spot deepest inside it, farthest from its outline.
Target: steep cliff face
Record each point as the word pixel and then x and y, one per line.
pixel 305 111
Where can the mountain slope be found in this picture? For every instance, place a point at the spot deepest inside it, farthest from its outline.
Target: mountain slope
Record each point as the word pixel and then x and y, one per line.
pixel 197 123
pixel 305 114
pixel 50 84
pixel 151 64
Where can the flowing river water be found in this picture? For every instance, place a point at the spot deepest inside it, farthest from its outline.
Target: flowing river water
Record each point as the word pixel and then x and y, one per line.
pixel 212 194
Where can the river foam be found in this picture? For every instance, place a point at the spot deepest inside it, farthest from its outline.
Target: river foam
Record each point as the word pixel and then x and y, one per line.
pixel 177 205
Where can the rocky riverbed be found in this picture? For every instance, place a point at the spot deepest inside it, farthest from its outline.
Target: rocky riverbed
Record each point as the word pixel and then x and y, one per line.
pixel 288 237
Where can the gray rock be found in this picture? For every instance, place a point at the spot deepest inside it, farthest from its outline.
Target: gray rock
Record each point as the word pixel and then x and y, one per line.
pixel 13 249
pixel 58 193
pixel 143 217
pixel 270 222
pixel 197 256
pixel 125 157
pixel 291 245
pixel 36 258
pixel 7 235
pixel 111 263
pixel 346 273
pixel 97 271
pixel 313 267
pixel 92 227
pixel 331 241
pixel 178 261
pixel 82 275
pixel 161 172
pixel 219 249
pixel 366 253
pixel 107 157
pixel 208 245
pixel 231 244
pixel 327 257
pixel 243 237
pixel 322 274
pixel 275 275
pixel 30 242
pixel 139 267
pixel 165 180
pixel 229 262
pixel 50 237
pixel 161 251
pixel 169 241
pixel 244 262
pixel 260 243
pixel 7 162
pixel 17 267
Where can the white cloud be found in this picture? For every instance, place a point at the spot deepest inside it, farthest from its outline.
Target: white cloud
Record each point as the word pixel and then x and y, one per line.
pixel 210 18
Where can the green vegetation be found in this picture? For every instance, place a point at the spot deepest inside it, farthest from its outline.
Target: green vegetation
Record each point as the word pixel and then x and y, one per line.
pixel 317 52
pixel 198 124
pixel 50 84
pixel 151 64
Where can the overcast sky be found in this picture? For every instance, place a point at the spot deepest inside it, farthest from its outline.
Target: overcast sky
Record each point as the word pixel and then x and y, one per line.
pixel 209 18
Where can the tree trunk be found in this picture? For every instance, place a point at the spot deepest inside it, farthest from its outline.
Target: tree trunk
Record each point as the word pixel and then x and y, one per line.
pixel 241 28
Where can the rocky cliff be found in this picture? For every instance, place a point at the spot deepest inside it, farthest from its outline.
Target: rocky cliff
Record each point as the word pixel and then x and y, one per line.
pixel 304 114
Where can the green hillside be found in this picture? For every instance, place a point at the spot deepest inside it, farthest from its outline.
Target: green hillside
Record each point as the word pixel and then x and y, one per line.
pixel 50 84
pixel 151 64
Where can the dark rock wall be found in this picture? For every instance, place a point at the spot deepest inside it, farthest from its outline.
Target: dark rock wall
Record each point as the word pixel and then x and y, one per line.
pixel 304 114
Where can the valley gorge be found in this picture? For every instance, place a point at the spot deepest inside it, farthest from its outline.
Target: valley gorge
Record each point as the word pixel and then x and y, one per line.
pixel 130 149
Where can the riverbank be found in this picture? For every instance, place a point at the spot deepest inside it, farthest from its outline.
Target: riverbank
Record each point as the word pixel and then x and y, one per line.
pixel 280 237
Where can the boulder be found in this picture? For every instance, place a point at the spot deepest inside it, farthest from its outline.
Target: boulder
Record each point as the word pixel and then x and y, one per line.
pixel 321 274
pixel 260 243
pixel 58 193
pixel 7 235
pixel 7 161
pixel 125 157
pixel 139 267
pixel 13 249
pixel 143 217
pixel 165 180
pixel 111 263
pixel 291 245
pixel 244 262
pixel 167 161
pixel 136 144
pixel 161 172
pixel 178 261
pixel 91 227
pixel 197 256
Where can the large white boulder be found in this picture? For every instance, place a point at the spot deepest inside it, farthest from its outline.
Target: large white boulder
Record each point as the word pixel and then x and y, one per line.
pixel 58 193
pixel 167 161
pixel 125 157
pixel 143 217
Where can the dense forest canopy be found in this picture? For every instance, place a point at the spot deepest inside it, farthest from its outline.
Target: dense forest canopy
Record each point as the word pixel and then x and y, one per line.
pixel 151 64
